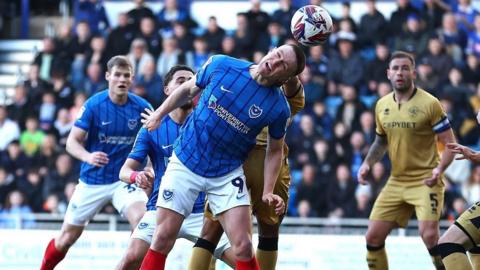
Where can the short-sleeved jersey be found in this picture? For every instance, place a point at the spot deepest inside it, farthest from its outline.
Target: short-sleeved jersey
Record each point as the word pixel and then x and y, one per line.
pixel 231 112
pixel 111 128
pixel 296 103
pixel 158 145
pixel 411 133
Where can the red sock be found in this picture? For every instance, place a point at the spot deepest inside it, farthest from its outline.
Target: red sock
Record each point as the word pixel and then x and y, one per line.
pixel 52 256
pixel 153 260
pixel 251 264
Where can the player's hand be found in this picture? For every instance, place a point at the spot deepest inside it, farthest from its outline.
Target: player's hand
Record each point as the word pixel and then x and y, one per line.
pixel 150 120
pixel 464 152
pixel 144 179
pixel 98 159
pixel 275 201
pixel 363 173
pixel 432 181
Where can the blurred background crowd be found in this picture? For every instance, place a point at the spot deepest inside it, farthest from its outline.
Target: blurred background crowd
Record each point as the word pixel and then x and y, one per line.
pixel 328 139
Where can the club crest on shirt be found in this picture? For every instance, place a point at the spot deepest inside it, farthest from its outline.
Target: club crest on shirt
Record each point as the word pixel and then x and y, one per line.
pixel 212 102
pixel 132 123
pixel 254 111
pixel 167 194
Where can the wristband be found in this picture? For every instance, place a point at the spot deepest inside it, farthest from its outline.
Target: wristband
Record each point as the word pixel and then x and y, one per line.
pixel 133 175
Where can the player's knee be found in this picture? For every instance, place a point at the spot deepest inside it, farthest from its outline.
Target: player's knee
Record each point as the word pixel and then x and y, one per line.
pixel 243 248
pixel 133 259
pixel 430 237
pixel 374 239
pixel 66 240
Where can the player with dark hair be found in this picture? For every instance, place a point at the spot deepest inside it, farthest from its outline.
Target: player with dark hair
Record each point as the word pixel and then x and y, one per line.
pixel 101 138
pixel 268 221
pixel 158 146
pixel 239 100
pixel 409 121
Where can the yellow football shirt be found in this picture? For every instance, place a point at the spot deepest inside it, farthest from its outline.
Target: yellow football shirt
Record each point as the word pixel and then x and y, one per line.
pixel 411 133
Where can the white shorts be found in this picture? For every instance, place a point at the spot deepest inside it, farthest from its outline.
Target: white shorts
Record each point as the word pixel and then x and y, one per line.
pixel 190 230
pixel 88 200
pixel 180 188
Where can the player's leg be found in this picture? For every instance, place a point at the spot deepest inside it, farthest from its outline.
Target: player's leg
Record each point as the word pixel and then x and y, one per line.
pixel 130 201
pixel 139 243
pixel 475 257
pixel 389 212
pixel 428 202
pixel 85 203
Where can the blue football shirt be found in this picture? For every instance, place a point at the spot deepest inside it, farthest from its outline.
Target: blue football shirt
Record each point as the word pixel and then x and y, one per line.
pixel 231 112
pixel 111 128
pixel 158 145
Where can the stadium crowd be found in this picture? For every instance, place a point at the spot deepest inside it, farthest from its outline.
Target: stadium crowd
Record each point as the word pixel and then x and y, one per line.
pixel 328 140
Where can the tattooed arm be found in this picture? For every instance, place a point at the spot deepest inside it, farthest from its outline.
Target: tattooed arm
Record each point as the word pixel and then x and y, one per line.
pixel 375 153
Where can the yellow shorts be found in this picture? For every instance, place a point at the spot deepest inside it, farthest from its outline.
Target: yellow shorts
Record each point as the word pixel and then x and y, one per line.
pixel 397 201
pixel 469 223
pixel 253 169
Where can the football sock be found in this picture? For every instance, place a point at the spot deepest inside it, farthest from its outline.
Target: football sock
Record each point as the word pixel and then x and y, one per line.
pixel 251 264
pixel 436 258
pixel 52 256
pixel 377 258
pixel 202 254
pixel 475 257
pixel 454 256
pixel 154 260
pixel 267 252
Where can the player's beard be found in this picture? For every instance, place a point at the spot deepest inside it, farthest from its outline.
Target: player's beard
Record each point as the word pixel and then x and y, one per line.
pixel 403 88
pixel 187 106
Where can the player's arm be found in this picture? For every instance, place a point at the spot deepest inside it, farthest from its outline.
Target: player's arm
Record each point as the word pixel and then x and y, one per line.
pixel 445 137
pixel 294 92
pixel 130 173
pixel 273 162
pixel 75 148
pixel 464 152
pixel 184 93
pixel 375 153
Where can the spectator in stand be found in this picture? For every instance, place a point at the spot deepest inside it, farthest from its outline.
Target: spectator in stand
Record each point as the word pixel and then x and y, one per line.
pixel 93 12
pixel 341 142
pixel 244 37
pixel 149 79
pixel 78 101
pixel 139 12
pixel 317 61
pixel 426 78
pixel 345 15
pixel 151 36
pixel 96 53
pixel 48 60
pixel 183 36
pixel 302 144
pixel 357 152
pixel 32 137
pixel 453 39
pixel 214 35
pixel 47 111
pixel 15 161
pixel 367 127
pixel 9 130
pixel 471 71
pixel 171 56
pixel 16 209
pixel 7 184
pixel 78 49
pixel 19 109
pixel 171 13
pixel 465 16
pixel 120 38
pixel 372 28
pixel 473 44
pixel 139 55
pixel 313 91
pixel 271 39
pixel 35 86
pixel 438 57
pixel 310 190
pixel 200 53
pixel 63 125
pixel 284 15
pixel 383 89
pixel 323 120
pixel 95 80
pixel 53 205
pixel 459 205
pixel 414 39
pixel 471 189
pixel 325 160
pixel 375 72
pixel 32 186
pixel 363 196
pixel 346 66
pixel 63 40
pixel 258 19
pixel 350 109
pixel 62 90
pixel 341 194
pixel 229 47
pixel 62 173
pixel 399 17
pixel 44 160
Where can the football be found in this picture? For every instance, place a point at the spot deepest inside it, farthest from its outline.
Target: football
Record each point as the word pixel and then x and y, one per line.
pixel 311 25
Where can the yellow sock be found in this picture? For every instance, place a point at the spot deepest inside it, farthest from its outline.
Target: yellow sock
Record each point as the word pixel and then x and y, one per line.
pixel 377 258
pixel 475 257
pixel 267 259
pixel 457 261
pixel 200 259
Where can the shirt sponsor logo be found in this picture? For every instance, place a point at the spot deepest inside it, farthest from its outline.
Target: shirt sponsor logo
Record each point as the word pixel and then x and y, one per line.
pixel 115 139
pixel 227 116
pixel 398 124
